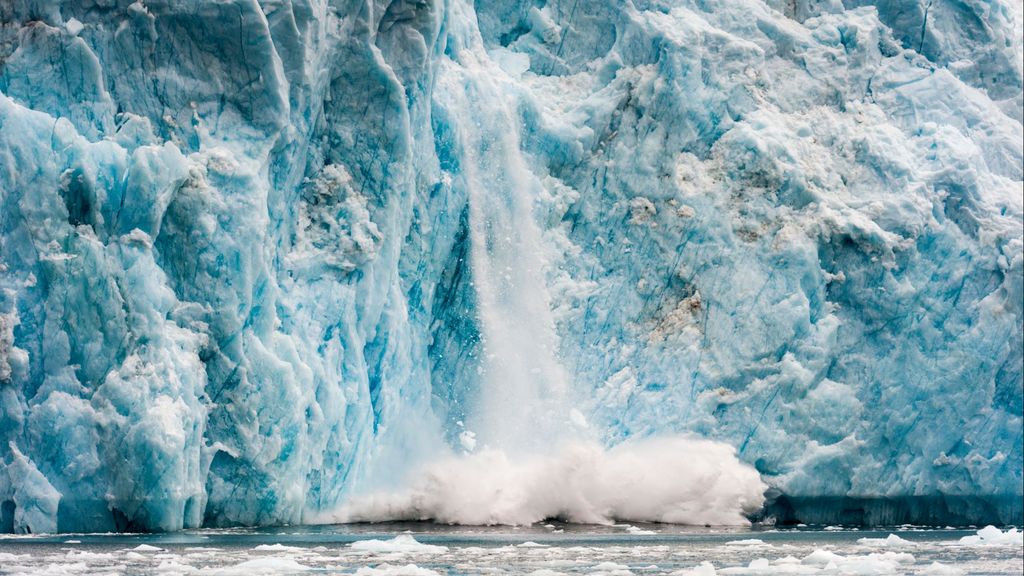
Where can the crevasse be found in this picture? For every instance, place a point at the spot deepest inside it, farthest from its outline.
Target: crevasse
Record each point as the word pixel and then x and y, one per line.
pixel 260 258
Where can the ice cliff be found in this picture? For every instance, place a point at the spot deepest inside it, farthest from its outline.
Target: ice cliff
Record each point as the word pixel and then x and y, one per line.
pixel 259 257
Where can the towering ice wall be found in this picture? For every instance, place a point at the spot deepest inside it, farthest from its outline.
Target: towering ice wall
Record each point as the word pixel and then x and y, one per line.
pixel 256 258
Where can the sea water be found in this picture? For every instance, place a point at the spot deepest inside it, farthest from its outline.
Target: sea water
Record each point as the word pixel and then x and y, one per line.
pixel 543 549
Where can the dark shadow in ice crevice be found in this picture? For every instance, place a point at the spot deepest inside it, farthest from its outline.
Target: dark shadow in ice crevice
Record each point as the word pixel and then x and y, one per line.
pixel 935 510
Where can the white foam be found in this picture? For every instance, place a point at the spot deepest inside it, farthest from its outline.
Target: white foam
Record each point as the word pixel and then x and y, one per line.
pixel 676 479
pixel 147 548
pixel 402 543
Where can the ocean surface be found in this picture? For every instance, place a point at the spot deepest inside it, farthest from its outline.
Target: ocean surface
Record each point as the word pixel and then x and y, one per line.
pixel 417 549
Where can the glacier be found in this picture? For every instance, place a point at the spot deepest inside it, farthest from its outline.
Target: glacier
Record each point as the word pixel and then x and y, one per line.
pixel 259 260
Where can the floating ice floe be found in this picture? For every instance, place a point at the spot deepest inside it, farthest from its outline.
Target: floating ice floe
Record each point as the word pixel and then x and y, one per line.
pixel 402 543
pixel 259 567
pixel 890 541
pixel 817 562
pixel 277 548
pixel 747 542
pixel 389 570
pixel 992 536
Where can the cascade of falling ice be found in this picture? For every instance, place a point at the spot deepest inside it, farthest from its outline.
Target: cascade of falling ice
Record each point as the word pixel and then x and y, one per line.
pixel 522 400
pixel 532 456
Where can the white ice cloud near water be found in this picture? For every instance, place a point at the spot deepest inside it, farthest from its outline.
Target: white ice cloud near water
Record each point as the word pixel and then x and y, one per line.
pixel 662 479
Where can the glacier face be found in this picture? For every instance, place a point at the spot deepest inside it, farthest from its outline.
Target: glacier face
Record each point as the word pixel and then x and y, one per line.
pixel 258 257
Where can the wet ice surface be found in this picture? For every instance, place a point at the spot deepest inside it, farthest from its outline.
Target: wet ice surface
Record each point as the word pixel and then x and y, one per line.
pixel 540 550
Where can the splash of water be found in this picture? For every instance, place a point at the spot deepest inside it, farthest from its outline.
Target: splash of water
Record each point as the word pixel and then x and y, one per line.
pixel 663 479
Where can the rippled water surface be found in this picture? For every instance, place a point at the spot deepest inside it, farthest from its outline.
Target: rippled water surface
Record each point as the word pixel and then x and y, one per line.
pixel 543 550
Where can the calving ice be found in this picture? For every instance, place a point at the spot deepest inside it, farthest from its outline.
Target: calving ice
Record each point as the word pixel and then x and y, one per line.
pixel 489 263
